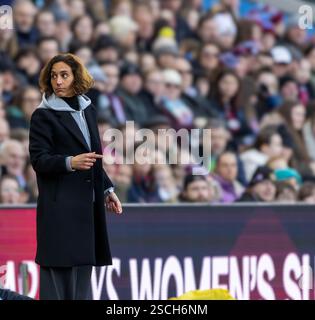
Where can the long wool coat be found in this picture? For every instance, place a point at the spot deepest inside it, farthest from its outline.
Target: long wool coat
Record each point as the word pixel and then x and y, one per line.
pixel 71 229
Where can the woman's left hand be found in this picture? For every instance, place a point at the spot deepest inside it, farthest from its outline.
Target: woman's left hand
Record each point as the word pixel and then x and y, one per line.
pixel 113 204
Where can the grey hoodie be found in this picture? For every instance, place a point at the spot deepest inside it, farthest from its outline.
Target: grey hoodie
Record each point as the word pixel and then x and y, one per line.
pixel 55 103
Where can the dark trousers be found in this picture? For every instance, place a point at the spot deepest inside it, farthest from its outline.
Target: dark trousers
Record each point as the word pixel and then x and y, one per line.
pixel 65 283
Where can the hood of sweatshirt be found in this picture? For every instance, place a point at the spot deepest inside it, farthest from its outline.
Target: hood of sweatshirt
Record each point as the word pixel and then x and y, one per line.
pixel 58 104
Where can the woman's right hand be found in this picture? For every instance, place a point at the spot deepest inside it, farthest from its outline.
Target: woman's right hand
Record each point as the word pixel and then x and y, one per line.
pixel 84 161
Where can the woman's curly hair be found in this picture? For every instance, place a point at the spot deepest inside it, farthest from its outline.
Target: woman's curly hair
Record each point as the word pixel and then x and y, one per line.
pixel 82 79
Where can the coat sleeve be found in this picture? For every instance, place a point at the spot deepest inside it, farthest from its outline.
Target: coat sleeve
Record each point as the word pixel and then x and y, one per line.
pixel 107 182
pixel 41 145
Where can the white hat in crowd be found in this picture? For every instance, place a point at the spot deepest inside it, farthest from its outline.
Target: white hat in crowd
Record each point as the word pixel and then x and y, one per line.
pixel 120 26
pixel 281 54
pixel 171 76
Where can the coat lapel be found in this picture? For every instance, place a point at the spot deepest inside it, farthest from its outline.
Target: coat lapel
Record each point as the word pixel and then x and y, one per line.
pixel 69 123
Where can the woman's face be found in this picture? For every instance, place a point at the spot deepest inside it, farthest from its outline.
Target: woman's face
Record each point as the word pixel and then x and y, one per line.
pixel 298 116
pixel 228 86
pixel 62 79
pixel 209 57
pixel 31 100
pixel 290 91
pixel 84 29
pixel 85 54
pixel 9 192
pixel 172 91
pixel 124 8
pixel 155 83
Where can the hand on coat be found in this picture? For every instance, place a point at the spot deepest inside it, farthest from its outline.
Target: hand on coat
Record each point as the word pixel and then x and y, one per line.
pixel 113 204
pixel 84 161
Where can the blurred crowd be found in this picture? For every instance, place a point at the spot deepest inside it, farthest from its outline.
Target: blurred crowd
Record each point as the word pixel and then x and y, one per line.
pixel 172 64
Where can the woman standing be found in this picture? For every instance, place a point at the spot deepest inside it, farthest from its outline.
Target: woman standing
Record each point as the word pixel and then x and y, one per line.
pixel 66 154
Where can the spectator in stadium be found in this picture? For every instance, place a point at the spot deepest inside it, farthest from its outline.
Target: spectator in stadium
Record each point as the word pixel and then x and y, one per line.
pixel 307 193
pixel 147 62
pixel 123 29
pixel 220 138
pixel 165 50
pixel 267 145
pixel 290 176
pixel 208 58
pixel 192 17
pixel 225 102
pixel 189 92
pixel 226 176
pixel 206 29
pixel 45 23
pixel 178 111
pixel 279 162
pixel 120 8
pixel 144 187
pixel 28 65
pixel 76 8
pixel 99 85
pixel 4 130
pixel 82 29
pixel 83 51
pixel 10 191
pixel 289 89
pixel 106 49
pixel 143 16
pixel 153 91
pixel 261 187
pixel 24 12
pixel 109 104
pixel 10 81
pixel 101 28
pixel 165 180
pixel 21 135
pixel 122 181
pixel 286 193
pixel 294 115
pixel 19 115
pixel 130 86
pixel 282 59
pixel 303 79
pixel 309 132
pixel 47 48
pixel 225 29
pixel 196 189
pixel 180 26
pixel 65 152
pixel 13 158
pixel 268 96
pixel 295 36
